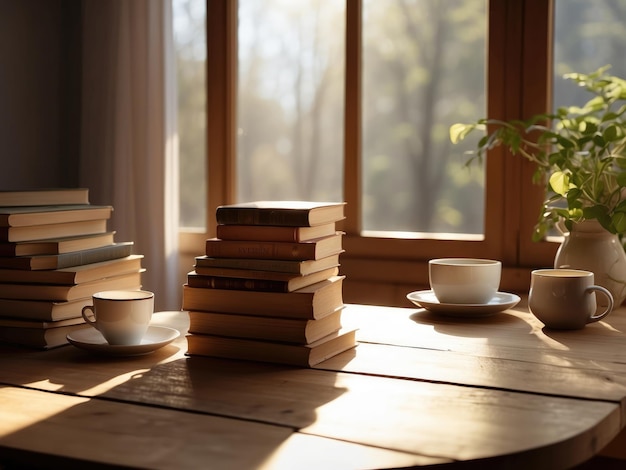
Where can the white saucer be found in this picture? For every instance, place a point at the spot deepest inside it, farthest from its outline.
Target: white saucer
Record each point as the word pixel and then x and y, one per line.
pixel 92 340
pixel 500 302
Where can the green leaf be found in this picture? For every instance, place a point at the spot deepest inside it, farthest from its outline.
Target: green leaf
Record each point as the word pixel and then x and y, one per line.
pixel 459 131
pixel 619 222
pixel 610 133
pixel 563 142
pixel 621 179
pixel 559 182
pixel 599 140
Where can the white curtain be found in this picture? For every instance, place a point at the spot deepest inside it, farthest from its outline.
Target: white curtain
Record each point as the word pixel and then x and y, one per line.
pixel 128 134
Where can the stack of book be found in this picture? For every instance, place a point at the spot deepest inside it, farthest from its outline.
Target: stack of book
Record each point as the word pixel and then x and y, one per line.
pixel 268 286
pixel 55 253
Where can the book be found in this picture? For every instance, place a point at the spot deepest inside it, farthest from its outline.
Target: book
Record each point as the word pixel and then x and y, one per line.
pixel 257 280
pixel 131 281
pixel 38 338
pixel 274 233
pixel 44 215
pixel 43 310
pixel 311 302
pixel 42 232
pixel 44 197
pixel 56 246
pixel 41 324
pixel 66 260
pixel 289 213
pixel 203 264
pixel 74 274
pixel 313 249
pixel 303 355
pixel 267 328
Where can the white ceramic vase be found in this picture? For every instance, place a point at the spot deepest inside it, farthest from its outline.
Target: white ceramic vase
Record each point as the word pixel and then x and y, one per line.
pixel 592 248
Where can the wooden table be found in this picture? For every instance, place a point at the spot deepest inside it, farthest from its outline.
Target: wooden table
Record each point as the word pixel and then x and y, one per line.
pixel 418 390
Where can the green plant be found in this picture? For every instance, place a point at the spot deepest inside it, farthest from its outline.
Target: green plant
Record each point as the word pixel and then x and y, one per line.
pixel 580 153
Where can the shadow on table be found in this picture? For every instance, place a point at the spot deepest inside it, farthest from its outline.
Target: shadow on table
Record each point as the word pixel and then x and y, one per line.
pixel 186 410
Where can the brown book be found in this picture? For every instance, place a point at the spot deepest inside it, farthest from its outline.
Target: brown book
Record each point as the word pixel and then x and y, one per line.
pixel 42 232
pixel 274 233
pixel 44 310
pixel 74 274
pixel 66 260
pixel 313 249
pixel 283 213
pixel 45 215
pixel 44 197
pixel 257 280
pixel 56 246
pixel 41 324
pixel 280 266
pixel 267 328
pixel 311 302
pixel 303 355
pixel 130 281
pixel 38 338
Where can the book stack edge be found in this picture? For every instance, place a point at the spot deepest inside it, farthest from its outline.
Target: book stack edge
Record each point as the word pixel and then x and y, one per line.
pixel 55 252
pixel 268 286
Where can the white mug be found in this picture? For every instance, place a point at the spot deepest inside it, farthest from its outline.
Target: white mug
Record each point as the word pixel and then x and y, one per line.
pixel 122 316
pixel 566 298
pixel 464 280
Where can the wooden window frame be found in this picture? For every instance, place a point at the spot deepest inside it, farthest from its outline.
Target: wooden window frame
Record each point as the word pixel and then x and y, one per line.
pixel 379 269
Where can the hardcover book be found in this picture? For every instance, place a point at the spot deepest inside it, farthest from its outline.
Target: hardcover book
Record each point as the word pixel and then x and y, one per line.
pixel 284 213
pixel 303 355
pixel 75 274
pixel 130 281
pixel 43 232
pixel 311 302
pixel 313 249
pixel 279 266
pixel 44 197
pixel 66 260
pixel 267 328
pixel 257 280
pixel 38 338
pixel 43 310
pixel 225 278
pixel 274 233
pixel 56 246
pixel 45 215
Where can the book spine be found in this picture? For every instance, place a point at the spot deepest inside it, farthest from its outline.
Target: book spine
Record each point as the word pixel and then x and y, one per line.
pixel 258 233
pixel 257 216
pixel 96 255
pixel 216 248
pixel 283 266
pixel 229 283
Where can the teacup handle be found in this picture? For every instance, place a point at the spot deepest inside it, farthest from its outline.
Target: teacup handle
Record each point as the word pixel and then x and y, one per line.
pixel 608 309
pixel 92 322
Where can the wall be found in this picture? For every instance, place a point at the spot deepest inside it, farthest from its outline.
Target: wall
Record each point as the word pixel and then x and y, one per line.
pixel 39 99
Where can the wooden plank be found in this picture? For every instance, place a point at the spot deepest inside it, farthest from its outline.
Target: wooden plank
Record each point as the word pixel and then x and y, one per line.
pixel 42 429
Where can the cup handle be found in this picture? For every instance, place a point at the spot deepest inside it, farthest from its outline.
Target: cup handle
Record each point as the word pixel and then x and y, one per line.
pixel 86 318
pixel 608 309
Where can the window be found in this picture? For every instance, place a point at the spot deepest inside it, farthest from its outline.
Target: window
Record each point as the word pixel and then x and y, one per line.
pixel 323 73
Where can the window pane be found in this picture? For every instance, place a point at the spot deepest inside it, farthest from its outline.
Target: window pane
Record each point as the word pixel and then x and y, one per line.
pixel 424 69
pixel 190 43
pixel 588 35
pixel 290 99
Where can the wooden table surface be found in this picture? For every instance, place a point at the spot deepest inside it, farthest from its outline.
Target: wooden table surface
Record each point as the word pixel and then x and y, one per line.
pixel 419 389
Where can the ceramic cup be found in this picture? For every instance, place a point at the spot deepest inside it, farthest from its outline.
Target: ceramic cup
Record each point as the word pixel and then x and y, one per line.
pixel 122 316
pixel 464 280
pixel 566 298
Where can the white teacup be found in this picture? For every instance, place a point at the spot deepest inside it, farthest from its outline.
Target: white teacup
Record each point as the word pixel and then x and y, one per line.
pixel 464 280
pixel 122 316
pixel 566 298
